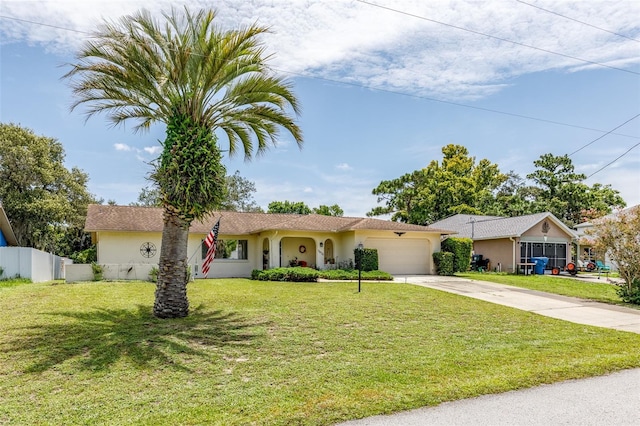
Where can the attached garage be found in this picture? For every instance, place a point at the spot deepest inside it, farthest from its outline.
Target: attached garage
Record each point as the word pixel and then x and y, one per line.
pixel 402 255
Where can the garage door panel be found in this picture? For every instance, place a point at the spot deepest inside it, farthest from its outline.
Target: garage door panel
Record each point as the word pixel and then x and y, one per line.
pixel 401 256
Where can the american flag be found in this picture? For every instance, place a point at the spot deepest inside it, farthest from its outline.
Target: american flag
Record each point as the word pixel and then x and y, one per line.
pixel 211 242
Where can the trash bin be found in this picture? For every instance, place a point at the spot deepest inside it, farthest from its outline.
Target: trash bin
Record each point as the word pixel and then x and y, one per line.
pixel 541 262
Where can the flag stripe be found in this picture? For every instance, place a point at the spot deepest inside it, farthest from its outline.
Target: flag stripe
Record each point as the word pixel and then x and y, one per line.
pixel 211 243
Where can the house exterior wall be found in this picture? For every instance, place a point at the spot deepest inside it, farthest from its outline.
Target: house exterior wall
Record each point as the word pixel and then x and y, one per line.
pixel 555 233
pixel 121 255
pixel 498 251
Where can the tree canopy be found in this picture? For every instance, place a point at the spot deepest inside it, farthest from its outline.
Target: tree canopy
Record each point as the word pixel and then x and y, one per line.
pixel 460 184
pixel 45 202
pixel 299 207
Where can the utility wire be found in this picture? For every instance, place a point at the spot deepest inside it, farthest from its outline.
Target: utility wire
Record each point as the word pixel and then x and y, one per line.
pixel 496 37
pixel 578 21
pixel 495 111
pixel 609 132
pixel 608 164
pixel 388 91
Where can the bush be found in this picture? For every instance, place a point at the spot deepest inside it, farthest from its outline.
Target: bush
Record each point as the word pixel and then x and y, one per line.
pixel 97 270
pixel 369 259
pixel 461 250
pixel 630 293
pixel 352 274
pixel 153 274
pixel 444 262
pixel 296 274
pixel 85 256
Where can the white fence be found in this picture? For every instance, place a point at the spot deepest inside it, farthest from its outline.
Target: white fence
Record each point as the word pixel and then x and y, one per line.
pixel 110 272
pixel 36 265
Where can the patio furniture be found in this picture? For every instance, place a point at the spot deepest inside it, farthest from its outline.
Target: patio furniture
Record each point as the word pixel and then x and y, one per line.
pixel 602 267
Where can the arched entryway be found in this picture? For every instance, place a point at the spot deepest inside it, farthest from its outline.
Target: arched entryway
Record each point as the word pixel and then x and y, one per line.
pixel 265 253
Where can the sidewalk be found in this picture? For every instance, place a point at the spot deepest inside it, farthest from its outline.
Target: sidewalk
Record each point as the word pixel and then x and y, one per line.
pixel 547 304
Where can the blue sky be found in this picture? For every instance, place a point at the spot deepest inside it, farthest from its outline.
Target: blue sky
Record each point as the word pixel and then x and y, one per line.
pixel 369 81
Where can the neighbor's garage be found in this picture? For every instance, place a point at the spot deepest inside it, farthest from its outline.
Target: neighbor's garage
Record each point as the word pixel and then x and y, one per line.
pixel 402 256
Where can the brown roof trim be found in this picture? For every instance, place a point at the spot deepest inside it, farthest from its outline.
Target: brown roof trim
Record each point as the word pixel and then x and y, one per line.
pixel 149 219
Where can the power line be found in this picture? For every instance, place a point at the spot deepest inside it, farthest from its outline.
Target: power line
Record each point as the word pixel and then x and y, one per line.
pixel 495 111
pixel 578 21
pixel 511 114
pixel 44 25
pixel 496 37
pixel 608 164
pixel 609 132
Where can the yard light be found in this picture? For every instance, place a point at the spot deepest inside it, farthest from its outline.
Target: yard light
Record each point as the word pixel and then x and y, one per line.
pixel 359 252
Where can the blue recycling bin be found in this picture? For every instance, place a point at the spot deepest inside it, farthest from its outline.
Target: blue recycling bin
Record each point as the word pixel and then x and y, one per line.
pixel 541 263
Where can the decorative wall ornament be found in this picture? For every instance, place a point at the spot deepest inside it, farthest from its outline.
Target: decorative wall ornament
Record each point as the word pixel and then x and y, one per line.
pixel 545 227
pixel 148 249
pixel 302 249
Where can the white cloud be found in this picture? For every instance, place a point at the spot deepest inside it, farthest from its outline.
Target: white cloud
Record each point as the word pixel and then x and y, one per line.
pixel 152 150
pixel 307 190
pixel 344 167
pixel 364 44
pixel 122 147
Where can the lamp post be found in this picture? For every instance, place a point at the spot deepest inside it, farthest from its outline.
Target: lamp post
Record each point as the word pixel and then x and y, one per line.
pixel 359 251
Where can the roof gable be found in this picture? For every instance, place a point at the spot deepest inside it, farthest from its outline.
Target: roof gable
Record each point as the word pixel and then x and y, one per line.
pixel 492 227
pixel 149 219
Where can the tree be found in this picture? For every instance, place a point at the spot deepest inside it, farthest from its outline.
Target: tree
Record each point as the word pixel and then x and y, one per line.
pixel 619 238
pixel 333 210
pixel 457 185
pixel 239 196
pixel 195 78
pixel 46 202
pixel 288 207
pixel 561 191
pixel 148 197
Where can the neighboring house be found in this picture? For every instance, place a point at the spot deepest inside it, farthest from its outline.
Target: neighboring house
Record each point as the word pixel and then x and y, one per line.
pixel 585 241
pixel 511 242
pixel 25 262
pixel 128 241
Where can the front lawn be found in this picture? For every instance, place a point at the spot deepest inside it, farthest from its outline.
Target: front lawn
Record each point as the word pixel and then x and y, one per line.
pixel 274 353
pixel 600 292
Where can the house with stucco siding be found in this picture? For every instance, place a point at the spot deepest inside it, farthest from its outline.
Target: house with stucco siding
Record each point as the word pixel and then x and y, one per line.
pixel 510 242
pixel 128 241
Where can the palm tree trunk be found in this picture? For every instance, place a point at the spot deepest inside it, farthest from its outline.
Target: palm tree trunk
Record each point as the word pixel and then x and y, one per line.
pixel 171 291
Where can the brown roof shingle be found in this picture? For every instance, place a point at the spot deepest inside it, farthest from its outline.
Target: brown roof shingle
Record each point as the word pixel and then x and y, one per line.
pixel 149 219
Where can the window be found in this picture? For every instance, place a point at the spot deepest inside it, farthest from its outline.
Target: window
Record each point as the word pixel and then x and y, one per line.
pixel 229 249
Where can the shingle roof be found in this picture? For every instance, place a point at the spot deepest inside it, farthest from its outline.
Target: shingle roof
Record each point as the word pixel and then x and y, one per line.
pixel 491 227
pixel 149 219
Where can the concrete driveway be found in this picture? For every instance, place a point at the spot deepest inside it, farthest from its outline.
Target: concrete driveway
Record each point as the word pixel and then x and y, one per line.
pixel 551 305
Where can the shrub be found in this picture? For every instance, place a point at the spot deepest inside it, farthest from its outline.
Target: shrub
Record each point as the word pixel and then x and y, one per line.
pixel 461 250
pixel 630 293
pixel 444 262
pixel 85 256
pixel 296 274
pixel 342 274
pixel 369 259
pixel 1 272
pixel 153 274
pixel 97 270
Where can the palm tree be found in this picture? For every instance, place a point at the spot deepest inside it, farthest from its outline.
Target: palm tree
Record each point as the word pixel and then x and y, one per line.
pixel 197 79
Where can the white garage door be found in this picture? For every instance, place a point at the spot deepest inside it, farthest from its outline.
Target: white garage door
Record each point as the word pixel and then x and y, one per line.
pixel 398 256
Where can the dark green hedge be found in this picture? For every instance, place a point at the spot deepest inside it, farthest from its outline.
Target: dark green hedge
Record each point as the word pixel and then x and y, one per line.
pixel 369 259
pixel 296 274
pixel 461 250
pixel 444 262
pixel 342 274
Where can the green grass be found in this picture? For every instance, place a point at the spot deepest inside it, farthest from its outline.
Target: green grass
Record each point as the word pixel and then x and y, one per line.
pixel 274 353
pixel 600 292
